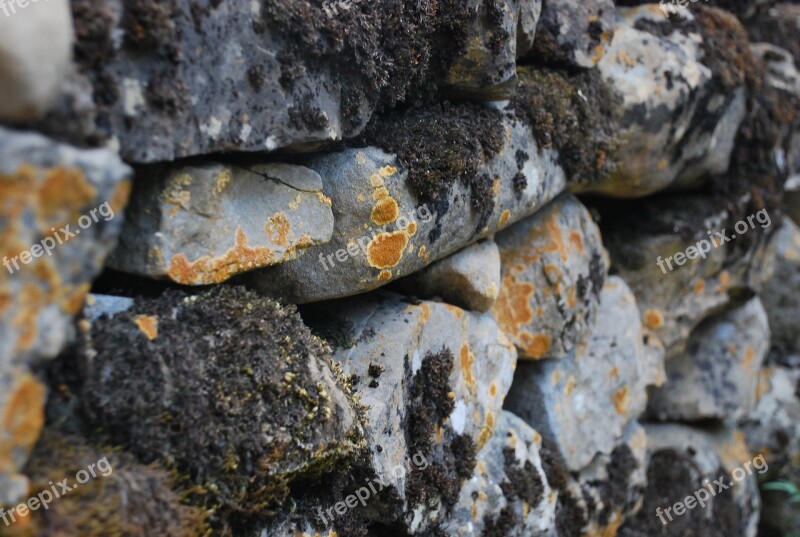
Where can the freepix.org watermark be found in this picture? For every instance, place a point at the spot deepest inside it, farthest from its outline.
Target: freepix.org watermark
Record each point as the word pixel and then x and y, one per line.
pixel 58 237
pixel 56 491
pixel 718 238
pixel 373 487
pixel 711 489
pixel 9 7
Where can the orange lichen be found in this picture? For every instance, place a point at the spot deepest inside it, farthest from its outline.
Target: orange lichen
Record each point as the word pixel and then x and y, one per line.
pixel 385 211
pixel 148 324
pixel 411 229
pixel 749 355
pixel 576 241
pixel 387 171
pixel 64 193
pixel 385 276
pixel 504 217
pixel 535 346
pixel 380 193
pixel 620 399
pixel 699 286
pixel 493 389
pixel 23 417
pixel 653 319
pixel 466 362
pixel 386 249
pixel 277 229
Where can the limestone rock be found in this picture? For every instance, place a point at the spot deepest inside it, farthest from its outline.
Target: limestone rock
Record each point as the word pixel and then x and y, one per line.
pixel 60 215
pixel 202 224
pixel 780 293
pixel 717 375
pixel 583 402
pixel 682 101
pixel 509 488
pixel 469 279
pixel 554 268
pixel 391 220
pixel 575 34
pixel 433 378
pixel 683 460
pixel 32 69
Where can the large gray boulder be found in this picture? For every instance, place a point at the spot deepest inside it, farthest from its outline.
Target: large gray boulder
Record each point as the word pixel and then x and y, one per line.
pixel 204 223
pixel 583 402
pixel 554 268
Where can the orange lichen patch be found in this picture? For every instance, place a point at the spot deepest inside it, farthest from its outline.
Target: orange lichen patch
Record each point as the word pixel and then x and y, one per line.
pixel 614 373
pixel 455 310
pixel 496 186
pixel 387 171
pixel 64 193
pixel 422 250
pixel 23 417
pixel 504 217
pixel 487 431
pixel 700 286
pixel 71 299
pixel 535 346
pixel 439 434
pixel 620 399
pixel 5 301
pixel 31 302
pixel 576 241
pixel 380 193
pixel 749 355
pixel 724 280
pixel 556 377
pixel 512 309
pixel 386 249
pixel 570 387
pixel 385 276
pixel 208 270
pixel 385 211
pixel 277 229
pixel 325 200
pixel 493 389
pixel 764 384
pixel 175 194
pixel 411 229
pixel 653 319
pixel 426 314
pixel 571 302
pixel 609 530
pixel 223 180
pixel 466 362
pixel 148 324
pixel 376 180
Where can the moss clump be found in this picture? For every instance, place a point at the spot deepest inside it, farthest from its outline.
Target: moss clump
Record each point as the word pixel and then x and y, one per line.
pixel 124 499
pixel 231 388
pixel 576 114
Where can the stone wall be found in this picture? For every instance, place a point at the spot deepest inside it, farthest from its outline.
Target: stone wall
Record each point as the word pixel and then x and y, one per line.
pixel 382 267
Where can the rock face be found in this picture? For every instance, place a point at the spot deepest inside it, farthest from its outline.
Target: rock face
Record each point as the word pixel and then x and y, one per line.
pixel 781 290
pixel 469 279
pixel 717 375
pixel 508 489
pixel 684 463
pixel 602 381
pixel 554 267
pixel 31 74
pixel 199 225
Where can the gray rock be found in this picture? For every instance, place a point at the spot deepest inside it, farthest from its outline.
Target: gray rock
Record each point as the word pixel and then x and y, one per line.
pixel 433 378
pixel 583 402
pixel 64 204
pixel 469 279
pixel 716 377
pixel 684 461
pixel 574 33
pixel 204 223
pixel 383 230
pixel 554 268
pixel 508 489
pixel 98 305
pixel 679 122
pixel 31 73
pixel 791 198
pixel 781 291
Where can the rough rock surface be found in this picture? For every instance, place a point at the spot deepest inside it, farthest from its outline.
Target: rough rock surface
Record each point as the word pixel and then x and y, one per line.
pixel 509 489
pixel 140 378
pixel 717 375
pixel 31 74
pixel 394 215
pixel 583 402
pixel 202 224
pixel 554 267
pixel 469 279
pixel 683 100
pixel 683 460
pixel 781 291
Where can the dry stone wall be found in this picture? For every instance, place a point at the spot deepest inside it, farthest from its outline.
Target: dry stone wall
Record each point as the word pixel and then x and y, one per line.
pixel 366 268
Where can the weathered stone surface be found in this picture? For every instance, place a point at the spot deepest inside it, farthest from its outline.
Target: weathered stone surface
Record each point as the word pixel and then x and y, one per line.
pixel 780 293
pixel 791 199
pixel 643 241
pixel 469 279
pixel 172 380
pixel 717 375
pixel 683 460
pixel 163 81
pixel 433 378
pixel 607 492
pixel 392 219
pixel 98 305
pixel 48 194
pixel 584 401
pixel 22 399
pixel 777 25
pixel 683 99
pixel 574 34
pixel 31 69
pixel 202 224
pixel 554 268
pixel 509 489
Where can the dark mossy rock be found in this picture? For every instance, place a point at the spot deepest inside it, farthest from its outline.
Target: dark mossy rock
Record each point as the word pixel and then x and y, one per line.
pixel 120 496
pixel 229 388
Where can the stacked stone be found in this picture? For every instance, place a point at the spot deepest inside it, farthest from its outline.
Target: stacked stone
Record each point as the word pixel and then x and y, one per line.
pixel 441 312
